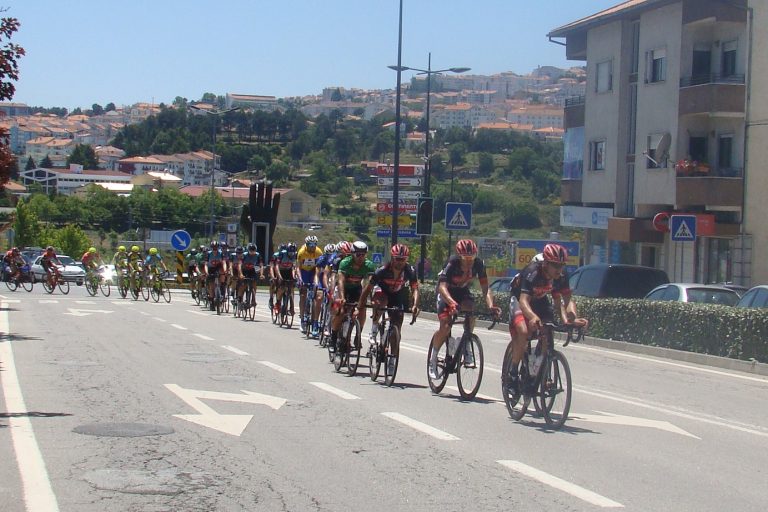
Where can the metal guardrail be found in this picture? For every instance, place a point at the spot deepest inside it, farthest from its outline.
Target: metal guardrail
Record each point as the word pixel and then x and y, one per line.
pixel 575 101
pixel 712 78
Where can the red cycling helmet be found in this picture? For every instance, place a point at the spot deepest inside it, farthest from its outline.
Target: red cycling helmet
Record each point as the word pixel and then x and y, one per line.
pixel 554 253
pixel 400 251
pixel 345 248
pixel 466 248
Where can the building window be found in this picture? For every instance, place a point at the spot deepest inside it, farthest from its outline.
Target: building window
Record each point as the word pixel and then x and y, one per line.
pixel 296 206
pixel 604 76
pixel 657 65
pixel 725 152
pixel 697 148
pixel 597 155
pixel 728 67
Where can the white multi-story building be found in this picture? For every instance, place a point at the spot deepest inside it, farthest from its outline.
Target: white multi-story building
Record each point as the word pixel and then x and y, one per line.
pixel 665 84
pixel 66 181
pixel 461 115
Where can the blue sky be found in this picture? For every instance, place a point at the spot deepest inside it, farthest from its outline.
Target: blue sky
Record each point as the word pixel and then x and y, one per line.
pixel 86 51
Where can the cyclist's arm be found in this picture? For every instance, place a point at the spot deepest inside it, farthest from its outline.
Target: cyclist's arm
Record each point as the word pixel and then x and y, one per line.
pixel 442 290
pixel 415 299
pixel 366 293
pixel 340 286
pixel 525 307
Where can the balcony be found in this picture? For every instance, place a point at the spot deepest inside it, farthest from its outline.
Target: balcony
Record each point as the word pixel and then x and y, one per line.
pixel 630 229
pixel 710 190
pixel 714 11
pixel 573 114
pixel 710 94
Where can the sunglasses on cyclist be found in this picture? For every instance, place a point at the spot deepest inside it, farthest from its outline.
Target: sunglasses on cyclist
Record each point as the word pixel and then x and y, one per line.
pixel 398 258
pixel 360 253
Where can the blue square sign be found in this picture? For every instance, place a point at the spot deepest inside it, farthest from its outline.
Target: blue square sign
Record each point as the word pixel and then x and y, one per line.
pixel 458 216
pixel 683 228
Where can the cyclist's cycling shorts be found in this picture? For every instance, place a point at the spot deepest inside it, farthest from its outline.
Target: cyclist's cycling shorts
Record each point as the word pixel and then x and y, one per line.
pixel 542 307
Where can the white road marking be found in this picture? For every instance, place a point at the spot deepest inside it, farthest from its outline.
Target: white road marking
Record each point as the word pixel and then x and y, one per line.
pixel 632 421
pixel 276 367
pixel 86 312
pixel 3 297
pixel 159 319
pixel 235 350
pixel 421 427
pixel 560 484
pixel 143 313
pixel 38 493
pixel 762 380
pixel 197 312
pixel 12 301
pixel 179 327
pixel 667 410
pixel 336 391
pixel 48 301
pixel 84 302
pixel 202 336
pixel 120 302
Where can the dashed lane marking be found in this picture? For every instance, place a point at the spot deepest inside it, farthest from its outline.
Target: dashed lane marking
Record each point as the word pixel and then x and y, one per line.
pixel 159 319
pixel 560 484
pixel 276 367
pixel 203 337
pixel 235 350
pixel 179 327
pixel 421 427
pixel 336 391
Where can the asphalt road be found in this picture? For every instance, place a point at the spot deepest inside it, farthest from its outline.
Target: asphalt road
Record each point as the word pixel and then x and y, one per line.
pixel 112 404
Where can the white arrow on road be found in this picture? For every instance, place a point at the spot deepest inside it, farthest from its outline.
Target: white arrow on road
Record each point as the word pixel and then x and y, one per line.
pixel 86 312
pixel 233 424
pixel 631 421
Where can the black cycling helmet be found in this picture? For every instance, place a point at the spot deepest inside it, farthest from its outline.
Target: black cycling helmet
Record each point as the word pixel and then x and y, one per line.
pixel 239 248
pixel 251 246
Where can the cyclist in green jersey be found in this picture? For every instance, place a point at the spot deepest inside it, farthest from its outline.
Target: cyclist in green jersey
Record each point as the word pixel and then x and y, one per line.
pixel 353 270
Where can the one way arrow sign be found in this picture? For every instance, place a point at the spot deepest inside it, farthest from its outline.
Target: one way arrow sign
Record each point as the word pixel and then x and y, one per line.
pixel 233 424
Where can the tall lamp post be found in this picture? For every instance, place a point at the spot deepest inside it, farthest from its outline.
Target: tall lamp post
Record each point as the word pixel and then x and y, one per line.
pixel 216 113
pixel 427 172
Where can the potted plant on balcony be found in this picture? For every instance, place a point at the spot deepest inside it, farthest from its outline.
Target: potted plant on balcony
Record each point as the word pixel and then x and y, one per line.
pixel 687 167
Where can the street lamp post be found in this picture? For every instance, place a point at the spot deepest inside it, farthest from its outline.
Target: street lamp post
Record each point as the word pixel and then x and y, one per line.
pixel 215 113
pixel 427 170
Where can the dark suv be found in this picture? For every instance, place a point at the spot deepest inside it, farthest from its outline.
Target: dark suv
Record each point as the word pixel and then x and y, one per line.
pixel 616 281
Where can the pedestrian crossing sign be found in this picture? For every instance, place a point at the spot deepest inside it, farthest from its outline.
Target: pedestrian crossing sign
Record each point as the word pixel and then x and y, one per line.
pixel 683 228
pixel 458 216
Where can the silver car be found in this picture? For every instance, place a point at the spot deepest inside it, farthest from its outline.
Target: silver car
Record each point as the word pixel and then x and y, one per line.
pixel 71 272
pixel 693 292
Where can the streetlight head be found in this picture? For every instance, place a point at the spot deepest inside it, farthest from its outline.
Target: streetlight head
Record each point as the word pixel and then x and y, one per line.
pixel 399 68
pixel 459 70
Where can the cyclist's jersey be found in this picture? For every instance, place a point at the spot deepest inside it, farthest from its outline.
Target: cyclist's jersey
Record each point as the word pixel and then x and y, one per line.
pixel 322 264
pixel 250 261
pixel 153 260
pixel 458 278
pixel 47 260
pixel 336 261
pixel 89 259
pixel 200 258
pixel 190 259
pixel 353 277
pixel 215 259
pixel 307 258
pixel 284 261
pixel 384 278
pixel 532 281
pixel 135 259
pixel 120 259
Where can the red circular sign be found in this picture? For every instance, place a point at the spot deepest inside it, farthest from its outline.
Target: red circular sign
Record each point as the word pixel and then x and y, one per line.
pixel 661 222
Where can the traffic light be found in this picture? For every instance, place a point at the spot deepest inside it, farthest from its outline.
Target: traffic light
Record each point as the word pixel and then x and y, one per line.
pixel 424 216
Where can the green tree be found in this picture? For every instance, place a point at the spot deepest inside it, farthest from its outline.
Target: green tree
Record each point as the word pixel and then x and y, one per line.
pixel 84 155
pixel 71 240
pixel 521 215
pixel 209 97
pixel 278 171
pixel 30 164
pixel 9 72
pixel 485 164
pixel 110 107
pixel 46 162
pixel 26 226
pixel 97 109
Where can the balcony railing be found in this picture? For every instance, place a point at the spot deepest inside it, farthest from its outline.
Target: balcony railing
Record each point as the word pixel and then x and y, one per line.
pixel 574 101
pixel 711 78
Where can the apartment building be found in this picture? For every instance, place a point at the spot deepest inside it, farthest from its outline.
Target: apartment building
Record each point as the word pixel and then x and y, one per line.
pixel 661 130
pixel 461 115
pixel 540 116
pixel 66 181
pixel 250 101
pixel 193 168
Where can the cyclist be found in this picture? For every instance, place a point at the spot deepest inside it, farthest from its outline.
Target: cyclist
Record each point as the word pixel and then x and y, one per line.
pixel 285 273
pixel 191 262
pixel 353 270
pixel 14 262
pixel 322 271
pixel 135 265
pixel 120 261
pixel 529 307
pixel 48 261
pixel 388 287
pixel 246 268
pixel 306 260
pixel 272 266
pixel 453 293
pixel 234 256
pixel 215 270
pixel 90 260
pixel 153 261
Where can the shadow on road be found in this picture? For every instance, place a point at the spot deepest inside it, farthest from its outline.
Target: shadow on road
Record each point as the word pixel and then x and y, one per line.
pixel 32 414
pixel 17 337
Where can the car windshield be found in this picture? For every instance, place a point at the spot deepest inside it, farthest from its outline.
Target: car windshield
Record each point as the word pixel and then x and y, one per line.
pixel 710 296
pixel 66 260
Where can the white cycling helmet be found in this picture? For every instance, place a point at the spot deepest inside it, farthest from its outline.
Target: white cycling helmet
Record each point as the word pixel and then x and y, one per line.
pixel 311 240
pixel 329 248
pixel 359 246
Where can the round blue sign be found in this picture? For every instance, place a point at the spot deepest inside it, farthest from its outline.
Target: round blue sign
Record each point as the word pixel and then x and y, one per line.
pixel 180 240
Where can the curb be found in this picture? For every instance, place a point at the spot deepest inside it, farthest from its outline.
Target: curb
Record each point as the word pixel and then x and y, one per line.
pixel 726 363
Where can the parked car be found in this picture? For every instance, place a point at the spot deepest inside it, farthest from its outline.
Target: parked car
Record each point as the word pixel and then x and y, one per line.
pixel 741 290
pixel 756 297
pixel 693 292
pixel 71 272
pixel 616 281
pixel 501 285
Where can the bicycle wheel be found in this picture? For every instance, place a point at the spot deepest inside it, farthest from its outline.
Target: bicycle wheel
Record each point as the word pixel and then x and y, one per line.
pixel 339 357
pixel 555 390
pixel 11 284
pixel 197 291
pixel 90 286
pixel 165 291
pixel 27 284
pixel 47 286
pixel 64 287
pixel 353 347
pixel 275 314
pixel 374 359
pixel 136 290
pixel 227 299
pixel 105 288
pixel 437 383
pixel 251 304
pixel 122 290
pixel 154 290
pixel 145 289
pixel 513 398
pixel 469 371
pixel 323 323
pixel 391 361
